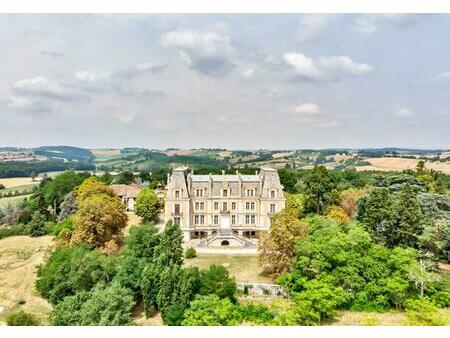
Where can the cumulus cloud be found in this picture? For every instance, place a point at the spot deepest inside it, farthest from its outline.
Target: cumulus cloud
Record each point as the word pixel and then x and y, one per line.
pixel 324 68
pixel 312 26
pixel 307 109
pixel 42 86
pixel 404 112
pixel 371 23
pixel 206 52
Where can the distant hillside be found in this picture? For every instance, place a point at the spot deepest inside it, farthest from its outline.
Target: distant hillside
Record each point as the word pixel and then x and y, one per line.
pixel 65 152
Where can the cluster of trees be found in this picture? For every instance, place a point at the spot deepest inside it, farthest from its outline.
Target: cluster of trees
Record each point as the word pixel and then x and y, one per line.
pixel 365 242
pixel 30 169
pixel 88 287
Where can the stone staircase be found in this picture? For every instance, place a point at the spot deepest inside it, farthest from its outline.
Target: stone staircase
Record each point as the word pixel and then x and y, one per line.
pixel 226 235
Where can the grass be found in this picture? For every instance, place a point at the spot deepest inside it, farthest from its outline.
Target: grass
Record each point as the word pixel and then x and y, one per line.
pixel 20 188
pixel 16 200
pixel 245 268
pixel 19 258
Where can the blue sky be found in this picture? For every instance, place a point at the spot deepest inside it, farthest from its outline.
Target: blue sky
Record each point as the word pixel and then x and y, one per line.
pixel 231 81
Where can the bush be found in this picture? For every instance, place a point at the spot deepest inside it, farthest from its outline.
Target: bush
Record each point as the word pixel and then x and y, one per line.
pixel 190 253
pixel 72 269
pixel 21 318
pixel 37 225
pixel 423 312
pixel 111 305
pixel 15 230
pixel 216 280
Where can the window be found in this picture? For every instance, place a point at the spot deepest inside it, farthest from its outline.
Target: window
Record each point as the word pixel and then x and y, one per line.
pixel 272 194
pixel 250 192
pixel 216 219
pixel 225 192
pixel 177 193
pixel 177 220
pixel 247 219
pixel 233 206
pixel 199 193
pixel 216 205
pixel 272 208
pixel 202 205
pixel 176 209
pixel 247 205
pixel 197 205
pixel 224 206
pixel 253 219
pixel 196 219
pixel 233 219
pixel 252 205
pixel 202 219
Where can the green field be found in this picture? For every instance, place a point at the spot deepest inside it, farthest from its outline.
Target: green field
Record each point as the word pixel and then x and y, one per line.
pixel 16 200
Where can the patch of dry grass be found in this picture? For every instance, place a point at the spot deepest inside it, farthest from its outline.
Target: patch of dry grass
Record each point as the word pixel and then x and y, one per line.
pixel 399 164
pixel 19 258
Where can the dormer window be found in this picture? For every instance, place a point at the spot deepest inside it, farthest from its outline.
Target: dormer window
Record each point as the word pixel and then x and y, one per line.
pixel 177 193
pixel 225 192
pixel 272 193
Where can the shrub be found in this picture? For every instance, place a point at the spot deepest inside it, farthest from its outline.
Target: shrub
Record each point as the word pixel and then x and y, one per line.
pixel 190 253
pixel 423 312
pixel 111 305
pixel 72 269
pixel 21 318
pixel 210 310
pixel 15 230
pixel 37 225
pixel 216 280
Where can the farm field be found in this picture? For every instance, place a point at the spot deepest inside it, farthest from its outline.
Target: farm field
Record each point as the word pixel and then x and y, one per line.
pixel 12 200
pixel 245 268
pixel 19 258
pixel 399 164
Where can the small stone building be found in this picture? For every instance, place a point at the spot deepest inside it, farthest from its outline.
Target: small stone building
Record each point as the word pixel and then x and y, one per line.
pixel 127 193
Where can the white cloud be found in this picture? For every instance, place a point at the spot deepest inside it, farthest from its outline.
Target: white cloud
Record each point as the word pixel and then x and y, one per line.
pixel 325 67
pixel 307 109
pixel 303 66
pixel 206 52
pixel 311 26
pixel 371 23
pixel 248 74
pixel 404 112
pixel 42 86
pixel 444 77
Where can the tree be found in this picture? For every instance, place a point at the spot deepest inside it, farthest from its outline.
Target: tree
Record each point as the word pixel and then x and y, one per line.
pixel 337 213
pixel 124 177
pixel 68 206
pixel 106 178
pixel 69 270
pixel 216 280
pixel 277 247
pixel 92 186
pixel 317 185
pixel 99 220
pixel 375 211
pixel 37 225
pixel 103 306
pixel 408 219
pixel 210 310
pixel 58 187
pixel 170 250
pixel 150 283
pixel 147 205
pixel 349 201
pixel 21 318
pixel 423 312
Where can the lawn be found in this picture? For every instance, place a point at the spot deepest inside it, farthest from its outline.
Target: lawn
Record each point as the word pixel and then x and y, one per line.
pixel 245 268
